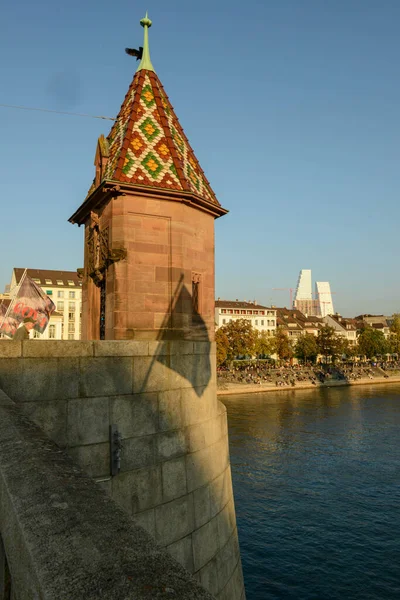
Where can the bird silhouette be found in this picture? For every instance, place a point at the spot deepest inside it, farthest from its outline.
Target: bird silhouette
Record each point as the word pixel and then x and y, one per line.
pixel 133 52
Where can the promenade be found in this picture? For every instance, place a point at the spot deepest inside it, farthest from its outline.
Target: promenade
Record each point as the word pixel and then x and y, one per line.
pixel 256 379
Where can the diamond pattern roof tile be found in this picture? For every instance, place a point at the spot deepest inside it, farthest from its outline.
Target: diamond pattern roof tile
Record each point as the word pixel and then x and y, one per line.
pixel 147 145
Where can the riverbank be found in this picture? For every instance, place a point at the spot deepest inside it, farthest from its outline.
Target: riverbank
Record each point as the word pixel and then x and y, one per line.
pixel 228 389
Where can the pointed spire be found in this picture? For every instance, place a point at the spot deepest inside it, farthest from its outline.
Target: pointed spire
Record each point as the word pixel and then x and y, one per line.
pixel 145 63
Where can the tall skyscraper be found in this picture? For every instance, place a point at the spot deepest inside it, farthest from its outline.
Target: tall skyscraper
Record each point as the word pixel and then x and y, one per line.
pixel 303 300
pixel 323 297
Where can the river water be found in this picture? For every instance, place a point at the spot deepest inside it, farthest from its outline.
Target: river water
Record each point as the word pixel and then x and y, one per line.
pixel 316 478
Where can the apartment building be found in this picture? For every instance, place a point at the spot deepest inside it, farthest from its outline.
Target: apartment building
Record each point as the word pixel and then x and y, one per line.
pixel 261 317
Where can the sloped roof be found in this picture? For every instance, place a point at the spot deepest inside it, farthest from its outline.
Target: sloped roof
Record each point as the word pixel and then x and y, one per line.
pixel 147 145
pixel 53 276
pixel 237 304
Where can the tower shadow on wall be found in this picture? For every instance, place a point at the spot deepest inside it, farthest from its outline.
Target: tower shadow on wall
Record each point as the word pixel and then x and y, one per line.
pixel 183 323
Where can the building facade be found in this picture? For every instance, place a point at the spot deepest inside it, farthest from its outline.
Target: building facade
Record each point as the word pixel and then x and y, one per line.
pixel 65 290
pixel 261 317
pixel 343 327
pixel 323 297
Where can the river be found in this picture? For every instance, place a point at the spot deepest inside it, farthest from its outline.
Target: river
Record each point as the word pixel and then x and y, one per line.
pixel 316 477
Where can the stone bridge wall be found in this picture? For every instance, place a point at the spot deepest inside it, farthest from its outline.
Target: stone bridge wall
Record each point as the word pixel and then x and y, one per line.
pixel 62 537
pixel 175 476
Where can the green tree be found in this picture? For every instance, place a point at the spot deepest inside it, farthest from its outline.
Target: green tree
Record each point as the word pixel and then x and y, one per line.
pixel 306 347
pixel 348 349
pixel 241 338
pixel 283 346
pixel 372 342
pixel 222 343
pixel 328 343
pixel 394 339
pixel 264 345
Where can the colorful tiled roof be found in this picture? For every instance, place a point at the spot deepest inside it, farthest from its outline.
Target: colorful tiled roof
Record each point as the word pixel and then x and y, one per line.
pixel 147 145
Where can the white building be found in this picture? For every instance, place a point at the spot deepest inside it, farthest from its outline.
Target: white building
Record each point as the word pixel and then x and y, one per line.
pixel 261 318
pixel 303 300
pixel 65 290
pixel 343 327
pixel 323 298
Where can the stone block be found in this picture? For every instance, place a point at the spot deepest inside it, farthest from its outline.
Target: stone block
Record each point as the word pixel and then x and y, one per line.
pixel 147 520
pixel 174 520
pixel 10 349
pixel 151 374
pixel 171 444
pixel 227 559
pixel 11 374
pixel 169 410
pixel 205 544
pixel 226 523
pixel 220 491
pixel 141 489
pixel 56 348
pixel 105 376
pixel 209 577
pixel 137 453
pixel 198 466
pixel 46 379
pixel 51 416
pixel 197 405
pixel 159 348
pixel 106 485
pixel 174 479
pixel 181 551
pixel 120 348
pixel 94 459
pixel 88 421
pixel 190 370
pixel 136 414
pixel 181 347
pixel 201 501
pixel 235 586
pixel 204 348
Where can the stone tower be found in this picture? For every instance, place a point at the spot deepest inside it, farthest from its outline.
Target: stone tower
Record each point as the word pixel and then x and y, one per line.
pixel 149 225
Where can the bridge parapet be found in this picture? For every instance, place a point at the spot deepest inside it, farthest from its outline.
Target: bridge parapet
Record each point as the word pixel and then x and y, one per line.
pixel 64 537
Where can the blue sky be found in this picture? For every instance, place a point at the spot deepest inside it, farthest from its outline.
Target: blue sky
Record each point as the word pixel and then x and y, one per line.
pixel 291 107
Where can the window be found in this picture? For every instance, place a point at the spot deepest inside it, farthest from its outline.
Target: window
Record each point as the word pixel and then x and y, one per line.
pixel 48 282
pixel 71 294
pixel 60 306
pixel 256 322
pixel 60 282
pixel 71 316
pixel 71 336
pixel 249 312
pixel 243 312
pixel 255 312
pixel 262 312
pixel 71 327
pixel 60 294
pixel 223 321
pixel 262 322
pixel 36 334
pixel 71 306
pixel 272 323
pixel 36 280
pixel 237 312
pixel 223 311
pixel 52 332
pixel 70 282
pixel 230 311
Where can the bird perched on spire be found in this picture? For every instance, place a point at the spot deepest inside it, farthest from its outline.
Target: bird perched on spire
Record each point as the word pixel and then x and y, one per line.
pixel 133 52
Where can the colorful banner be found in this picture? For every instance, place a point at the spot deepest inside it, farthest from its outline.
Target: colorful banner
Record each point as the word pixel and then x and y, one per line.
pixel 8 325
pixel 30 305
